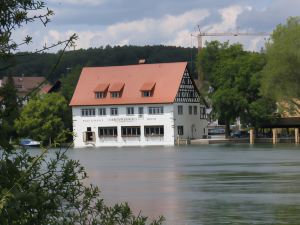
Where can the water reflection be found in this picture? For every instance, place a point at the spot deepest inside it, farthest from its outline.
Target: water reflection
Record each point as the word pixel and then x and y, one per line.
pixel 223 184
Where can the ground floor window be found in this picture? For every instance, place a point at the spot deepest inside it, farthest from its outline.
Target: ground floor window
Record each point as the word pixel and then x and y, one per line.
pixel 180 130
pixel 131 131
pixel 89 135
pixel 154 130
pixel 107 131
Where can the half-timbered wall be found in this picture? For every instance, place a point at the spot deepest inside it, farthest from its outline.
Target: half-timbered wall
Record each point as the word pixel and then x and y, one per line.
pixel 187 92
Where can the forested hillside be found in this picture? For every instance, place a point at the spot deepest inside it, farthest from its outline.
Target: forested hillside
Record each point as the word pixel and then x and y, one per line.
pixel 41 63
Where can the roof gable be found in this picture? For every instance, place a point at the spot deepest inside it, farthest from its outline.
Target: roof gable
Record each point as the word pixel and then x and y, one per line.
pixel 130 79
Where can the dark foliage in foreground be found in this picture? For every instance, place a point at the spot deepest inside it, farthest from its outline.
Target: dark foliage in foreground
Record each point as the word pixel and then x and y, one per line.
pixel 49 189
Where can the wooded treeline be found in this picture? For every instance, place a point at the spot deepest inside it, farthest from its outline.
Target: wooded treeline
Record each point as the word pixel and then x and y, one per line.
pixel 39 64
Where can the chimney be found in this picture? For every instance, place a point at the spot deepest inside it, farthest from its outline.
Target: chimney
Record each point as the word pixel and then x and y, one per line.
pixel 142 61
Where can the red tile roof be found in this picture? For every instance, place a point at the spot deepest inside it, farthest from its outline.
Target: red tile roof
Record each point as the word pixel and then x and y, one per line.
pixel 46 88
pixel 166 76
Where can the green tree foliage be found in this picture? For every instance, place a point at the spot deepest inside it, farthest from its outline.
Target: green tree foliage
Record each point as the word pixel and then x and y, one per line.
pixel 282 72
pixel 48 190
pixel 234 78
pixel 43 117
pixel 69 82
pixel 44 189
pixel 9 110
pixel 39 64
pixel 13 14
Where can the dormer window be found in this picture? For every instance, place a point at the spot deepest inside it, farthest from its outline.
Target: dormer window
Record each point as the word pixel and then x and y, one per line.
pixel 146 93
pixel 115 94
pixel 101 91
pixel 116 90
pixel 147 89
pixel 100 94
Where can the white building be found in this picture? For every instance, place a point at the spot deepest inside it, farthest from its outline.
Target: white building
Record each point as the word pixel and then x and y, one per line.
pixel 137 105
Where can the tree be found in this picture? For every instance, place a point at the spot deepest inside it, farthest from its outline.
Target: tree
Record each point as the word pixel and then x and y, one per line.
pixel 282 71
pixel 69 82
pixel 9 109
pixel 43 189
pixel 14 13
pixel 50 191
pixel 234 78
pixel 43 118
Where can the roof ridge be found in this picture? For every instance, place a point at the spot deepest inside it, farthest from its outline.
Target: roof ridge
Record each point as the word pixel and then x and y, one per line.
pixel 145 64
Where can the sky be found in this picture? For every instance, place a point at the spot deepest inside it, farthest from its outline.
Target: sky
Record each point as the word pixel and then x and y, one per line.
pixel 158 22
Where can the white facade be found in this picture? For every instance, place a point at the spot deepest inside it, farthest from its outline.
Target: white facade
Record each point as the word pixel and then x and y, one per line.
pixel 147 105
pixel 194 122
pixel 193 126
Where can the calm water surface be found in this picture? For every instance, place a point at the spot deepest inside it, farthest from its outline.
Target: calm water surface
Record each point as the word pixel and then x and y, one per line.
pixel 189 185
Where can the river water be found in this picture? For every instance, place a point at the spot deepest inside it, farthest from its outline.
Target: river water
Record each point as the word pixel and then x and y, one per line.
pixel 207 184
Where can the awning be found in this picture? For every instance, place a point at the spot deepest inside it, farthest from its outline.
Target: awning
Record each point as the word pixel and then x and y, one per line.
pixel 148 86
pixel 116 87
pixel 101 88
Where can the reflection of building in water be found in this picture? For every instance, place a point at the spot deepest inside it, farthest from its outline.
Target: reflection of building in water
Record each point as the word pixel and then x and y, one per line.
pixel 149 104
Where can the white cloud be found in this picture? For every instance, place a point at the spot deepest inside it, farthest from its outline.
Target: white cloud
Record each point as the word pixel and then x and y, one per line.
pixel 229 19
pixel 172 30
pixel 167 29
pixel 79 2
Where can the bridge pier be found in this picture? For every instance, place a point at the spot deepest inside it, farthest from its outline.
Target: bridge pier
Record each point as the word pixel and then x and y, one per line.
pixel 274 136
pixel 297 138
pixel 252 136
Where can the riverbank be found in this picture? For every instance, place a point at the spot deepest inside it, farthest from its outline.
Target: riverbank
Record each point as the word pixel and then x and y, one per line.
pixel 223 140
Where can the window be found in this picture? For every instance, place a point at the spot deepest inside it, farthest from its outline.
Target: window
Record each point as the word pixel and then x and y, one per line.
pixel 180 130
pixel 102 111
pixel 190 109
pixel 141 110
pixel 195 110
pixel 115 94
pixel 89 135
pixel 88 112
pixel 154 130
pixel 131 131
pixel 18 86
pixel 180 109
pixel 202 113
pixel 130 110
pixel 146 93
pixel 113 111
pixel 107 131
pixel 156 110
pixel 100 94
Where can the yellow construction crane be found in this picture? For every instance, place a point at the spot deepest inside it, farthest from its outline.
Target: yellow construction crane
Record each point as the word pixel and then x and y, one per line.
pixel 200 35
